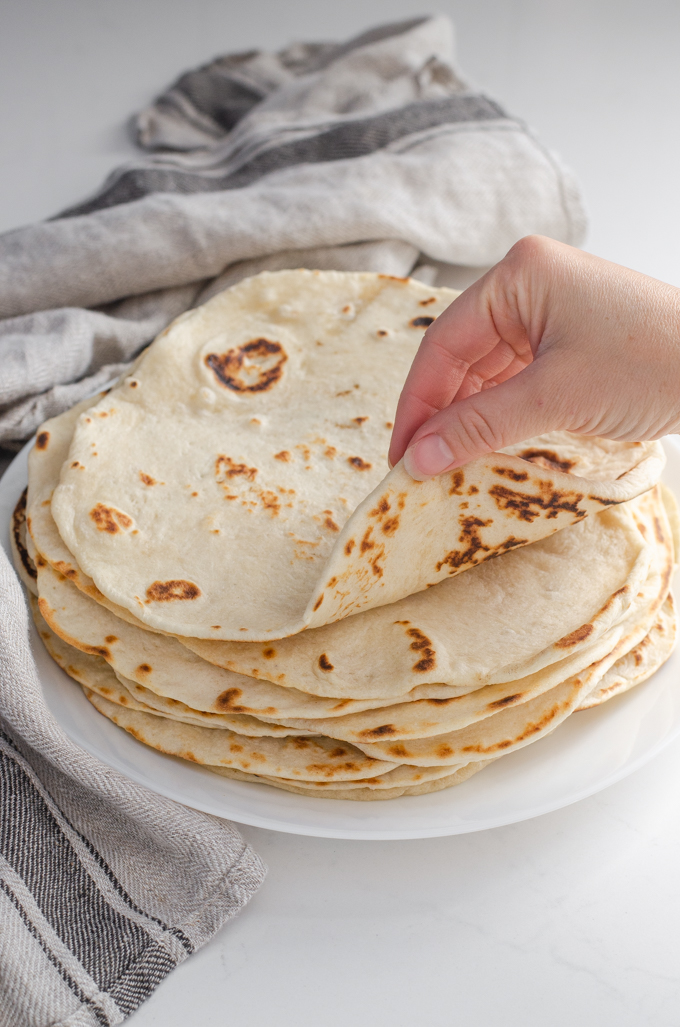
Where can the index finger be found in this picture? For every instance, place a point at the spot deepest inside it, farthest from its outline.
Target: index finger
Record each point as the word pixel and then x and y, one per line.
pixel 461 336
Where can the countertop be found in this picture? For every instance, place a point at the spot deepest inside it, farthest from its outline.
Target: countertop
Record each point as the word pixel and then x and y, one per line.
pixel 573 917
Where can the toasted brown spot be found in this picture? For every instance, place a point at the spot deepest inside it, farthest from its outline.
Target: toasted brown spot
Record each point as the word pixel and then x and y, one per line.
pixel 547 458
pixel 658 531
pixel 95 650
pixel 167 591
pixel 144 668
pixel 378 732
pixel 382 507
pixel 235 747
pixel 421 644
pixel 76 463
pixel 42 440
pixel 270 501
pixel 330 452
pixel 147 479
pixel 269 654
pixel 349 546
pixel 426 303
pixel 330 524
pixel 575 637
pixel 390 525
pixel 393 278
pixel 507 700
pixel 389 424
pixel 332 582
pixel 444 750
pixel 108 519
pixel 284 456
pixel 367 542
pixel 358 464
pixel 226 702
pixel 319 601
pixel 550 501
pixel 604 502
pixel 507 472
pixel 473 490
pixel 111 639
pixel 253 367
pixel 471 540
pixel 359 420
pixel 381 332
pixel 421 322
pixel 398 750
pixel 226 468
pixel 325 663
pixel 338 753
pixel 457 482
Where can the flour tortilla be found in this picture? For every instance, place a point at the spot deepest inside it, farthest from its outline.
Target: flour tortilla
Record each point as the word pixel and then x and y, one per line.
pixel 643 660
pixel 25 566
pixel 249 447
pixel 161 664
pixel 514 592
pixel 96 674
pixel 518 726
pixel 45 461
pixel 509 619
pixel 304 759
pixel 366 791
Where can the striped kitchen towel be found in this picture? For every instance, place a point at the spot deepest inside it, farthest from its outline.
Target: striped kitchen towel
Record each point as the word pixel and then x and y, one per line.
pixel 104 886
pixel 368 155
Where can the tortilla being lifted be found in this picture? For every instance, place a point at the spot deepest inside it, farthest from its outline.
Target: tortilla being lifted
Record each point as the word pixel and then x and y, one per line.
pixel 234 487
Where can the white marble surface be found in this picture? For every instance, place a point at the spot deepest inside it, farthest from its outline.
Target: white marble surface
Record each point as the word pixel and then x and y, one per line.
pixel 570 918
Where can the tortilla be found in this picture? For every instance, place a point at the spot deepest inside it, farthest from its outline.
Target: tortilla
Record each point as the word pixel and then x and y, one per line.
pixel 300 371
pixel 96 674
pixel 509 619
pixel 161 664
pixel 368 791
pixel 643 660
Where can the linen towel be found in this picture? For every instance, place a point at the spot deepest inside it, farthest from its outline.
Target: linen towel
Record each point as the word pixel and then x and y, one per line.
pixel 368 155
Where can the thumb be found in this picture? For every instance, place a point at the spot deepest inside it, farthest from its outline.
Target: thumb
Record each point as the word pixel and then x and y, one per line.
pixel 515 410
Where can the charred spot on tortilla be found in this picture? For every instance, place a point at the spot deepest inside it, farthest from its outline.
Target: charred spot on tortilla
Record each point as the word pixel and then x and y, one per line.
pixel 168 591
pixel 358 464
pixel 42 440
pixel 109 519
pixel 575 637
pixel 325 663
pixel 547 458
pixel 507 472
pixel 226 468
pixel 254 367
pixel 422 322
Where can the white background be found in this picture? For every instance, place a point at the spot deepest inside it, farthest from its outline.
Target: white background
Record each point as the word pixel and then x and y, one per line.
pixel 573 918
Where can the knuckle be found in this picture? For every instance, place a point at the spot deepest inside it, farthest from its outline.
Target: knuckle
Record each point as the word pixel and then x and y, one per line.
pixel 475 434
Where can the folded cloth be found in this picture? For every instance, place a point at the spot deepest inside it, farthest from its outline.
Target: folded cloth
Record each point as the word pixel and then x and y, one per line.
pixel 104 886
pixel 369 155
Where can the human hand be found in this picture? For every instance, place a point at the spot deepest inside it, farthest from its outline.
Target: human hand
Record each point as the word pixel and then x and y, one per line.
pixel 550 338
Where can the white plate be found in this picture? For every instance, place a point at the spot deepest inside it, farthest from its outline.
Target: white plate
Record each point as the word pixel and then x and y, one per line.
pixel 589 752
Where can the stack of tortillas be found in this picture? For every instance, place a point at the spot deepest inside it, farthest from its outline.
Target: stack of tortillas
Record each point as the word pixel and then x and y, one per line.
pixel 218 557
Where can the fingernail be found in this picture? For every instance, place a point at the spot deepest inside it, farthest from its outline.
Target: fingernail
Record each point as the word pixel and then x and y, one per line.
pixel 428 457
